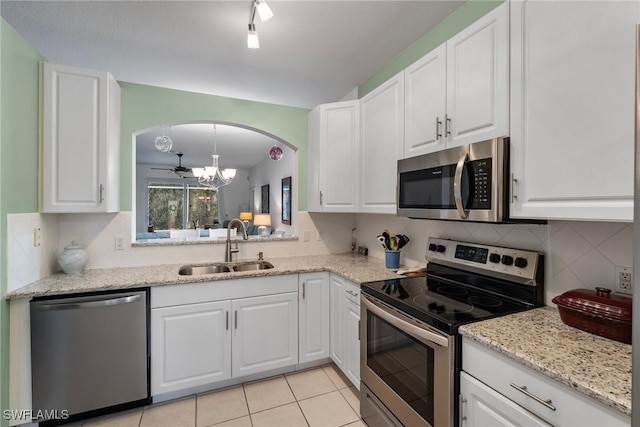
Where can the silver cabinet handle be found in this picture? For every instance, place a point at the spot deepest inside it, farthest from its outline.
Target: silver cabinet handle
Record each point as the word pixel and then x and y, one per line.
pixel 303 289
pixel 354 294
pixel 523 389
pixel 89 304
pixel 438 123
pixel 410 328
pixel 227 320
pixel 101 193
pixel 461 402
pixel 447 125
pixel 514 181
pixel 235 320
pixel 321 198
pixel 457 184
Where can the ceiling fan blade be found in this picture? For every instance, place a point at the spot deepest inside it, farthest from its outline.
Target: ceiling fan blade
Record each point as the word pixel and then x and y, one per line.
pixel 162 169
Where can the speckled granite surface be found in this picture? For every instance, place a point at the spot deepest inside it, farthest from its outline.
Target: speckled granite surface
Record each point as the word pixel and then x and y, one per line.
pixel 353 267
pixel 595 366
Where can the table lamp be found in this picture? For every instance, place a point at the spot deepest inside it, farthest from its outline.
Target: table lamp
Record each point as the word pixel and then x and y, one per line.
pixel 262 221
pixel 246 217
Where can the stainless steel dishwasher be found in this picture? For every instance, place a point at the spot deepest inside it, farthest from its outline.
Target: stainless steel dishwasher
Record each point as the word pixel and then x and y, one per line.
pixel 90 353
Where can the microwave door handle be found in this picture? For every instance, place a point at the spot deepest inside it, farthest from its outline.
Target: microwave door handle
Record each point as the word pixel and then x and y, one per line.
pixel 457 185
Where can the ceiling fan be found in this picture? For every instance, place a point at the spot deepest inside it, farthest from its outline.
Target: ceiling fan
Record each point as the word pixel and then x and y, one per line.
pixel 178 170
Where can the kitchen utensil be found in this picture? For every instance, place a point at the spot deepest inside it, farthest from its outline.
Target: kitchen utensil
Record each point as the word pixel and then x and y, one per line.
pixel 382 240
pixel 597 311
pixel 387 238
pixel 393 241
pixel 402 240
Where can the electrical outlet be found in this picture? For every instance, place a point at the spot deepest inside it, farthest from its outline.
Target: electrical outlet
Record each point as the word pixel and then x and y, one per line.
pixel 320 236
pixel 36 237
pixel 119 243
pixel 624 280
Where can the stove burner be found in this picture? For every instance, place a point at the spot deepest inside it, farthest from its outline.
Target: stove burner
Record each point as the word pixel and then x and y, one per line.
pixel 451 290
pixel 440 307
pixel 484 301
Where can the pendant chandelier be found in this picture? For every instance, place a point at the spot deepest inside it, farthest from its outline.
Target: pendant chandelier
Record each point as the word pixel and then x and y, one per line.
pixel 212 176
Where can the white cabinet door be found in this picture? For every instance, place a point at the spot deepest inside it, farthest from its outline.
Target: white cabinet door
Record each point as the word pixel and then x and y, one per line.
pixel 478 80
pixel 265 333
pixel 425 97
pixel 333 157
pixel 80 140
pixel 484 407
pixel 336 345
pixel 313 296
pixel 190 346
pixel 572 109
pixel 352 341
pixel 381 145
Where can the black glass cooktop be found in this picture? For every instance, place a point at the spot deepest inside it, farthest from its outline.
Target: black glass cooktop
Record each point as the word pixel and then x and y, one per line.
pixel 441 304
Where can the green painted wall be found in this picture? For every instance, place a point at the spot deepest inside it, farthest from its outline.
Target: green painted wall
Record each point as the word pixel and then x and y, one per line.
pixel 149 106
pixel 458 20
pixel 18 159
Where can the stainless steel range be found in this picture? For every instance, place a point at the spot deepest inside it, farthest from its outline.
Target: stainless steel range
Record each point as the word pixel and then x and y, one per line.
pixel 410 349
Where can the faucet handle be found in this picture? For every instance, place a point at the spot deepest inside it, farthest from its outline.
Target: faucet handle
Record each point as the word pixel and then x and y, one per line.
pixel 260 256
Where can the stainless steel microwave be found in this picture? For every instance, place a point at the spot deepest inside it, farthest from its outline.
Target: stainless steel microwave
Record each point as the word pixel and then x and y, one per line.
pixel 466 183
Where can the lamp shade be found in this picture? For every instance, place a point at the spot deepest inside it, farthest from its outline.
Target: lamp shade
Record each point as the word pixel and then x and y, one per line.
pixel 246 216
pixel 262 219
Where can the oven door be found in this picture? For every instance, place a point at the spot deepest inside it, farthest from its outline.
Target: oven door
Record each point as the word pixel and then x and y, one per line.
pixel 407 365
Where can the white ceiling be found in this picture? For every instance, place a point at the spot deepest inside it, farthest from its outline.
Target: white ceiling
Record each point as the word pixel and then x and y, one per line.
pixel 311 52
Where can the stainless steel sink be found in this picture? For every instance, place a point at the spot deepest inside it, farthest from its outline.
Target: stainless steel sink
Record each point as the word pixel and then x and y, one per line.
pixel 252 265
pixel 194 270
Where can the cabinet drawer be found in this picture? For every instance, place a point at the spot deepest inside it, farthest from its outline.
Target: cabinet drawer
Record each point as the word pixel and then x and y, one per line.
pixel 218 290
pixel 352 292
pixel 564 407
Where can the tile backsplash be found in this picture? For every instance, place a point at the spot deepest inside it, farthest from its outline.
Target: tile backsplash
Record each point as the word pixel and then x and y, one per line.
pixel 578 254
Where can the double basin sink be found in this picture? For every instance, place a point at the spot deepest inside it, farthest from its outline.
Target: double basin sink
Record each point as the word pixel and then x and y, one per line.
pixel 224 267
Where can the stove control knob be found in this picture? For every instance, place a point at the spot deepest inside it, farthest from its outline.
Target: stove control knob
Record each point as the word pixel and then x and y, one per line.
pixel 507 260
pixel 433 247
pixel 520 262
pixel 494 258
pixel 441 248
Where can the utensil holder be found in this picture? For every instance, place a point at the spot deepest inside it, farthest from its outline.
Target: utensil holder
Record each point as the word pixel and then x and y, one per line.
pixel 392 259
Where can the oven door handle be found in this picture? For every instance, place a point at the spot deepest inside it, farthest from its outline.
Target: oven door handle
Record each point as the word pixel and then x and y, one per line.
pixel 403 325
pixel 457 184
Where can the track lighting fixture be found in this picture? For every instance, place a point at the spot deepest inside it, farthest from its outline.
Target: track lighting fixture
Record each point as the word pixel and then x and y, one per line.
pixel 265 13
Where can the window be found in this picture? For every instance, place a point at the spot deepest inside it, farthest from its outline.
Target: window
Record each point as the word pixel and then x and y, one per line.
pixel 180 206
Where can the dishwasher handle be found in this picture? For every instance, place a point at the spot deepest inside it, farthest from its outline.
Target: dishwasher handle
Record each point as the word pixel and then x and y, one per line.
pixel 107 302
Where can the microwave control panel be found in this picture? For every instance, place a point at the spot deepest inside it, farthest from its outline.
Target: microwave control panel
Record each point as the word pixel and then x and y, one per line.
pixel 480 171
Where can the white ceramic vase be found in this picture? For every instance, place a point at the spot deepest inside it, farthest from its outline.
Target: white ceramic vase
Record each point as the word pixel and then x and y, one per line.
pixel 73 259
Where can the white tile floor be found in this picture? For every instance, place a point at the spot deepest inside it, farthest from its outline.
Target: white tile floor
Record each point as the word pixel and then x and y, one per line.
pixel 319 397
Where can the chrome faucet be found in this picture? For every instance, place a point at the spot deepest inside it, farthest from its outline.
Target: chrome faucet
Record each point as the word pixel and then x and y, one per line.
pixel 229 252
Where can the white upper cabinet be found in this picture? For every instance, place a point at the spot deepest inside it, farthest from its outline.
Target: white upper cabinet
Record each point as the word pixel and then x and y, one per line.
pixel 381 145
pixel 333 157
pixel 80 140
pixel 459 92
pixel 572 109
pixel 425 103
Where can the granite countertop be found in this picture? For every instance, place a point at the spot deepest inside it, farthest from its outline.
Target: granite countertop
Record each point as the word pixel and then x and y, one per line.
pixel 356 268
pixel 597 367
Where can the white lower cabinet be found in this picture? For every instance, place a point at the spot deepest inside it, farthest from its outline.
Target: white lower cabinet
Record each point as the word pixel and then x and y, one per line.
pixel 203 333
pixel 345 325
pixel 181 357
pixel 265 333
pixel 313 315
pixel 498 391
pixel 483 406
